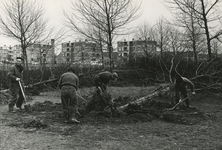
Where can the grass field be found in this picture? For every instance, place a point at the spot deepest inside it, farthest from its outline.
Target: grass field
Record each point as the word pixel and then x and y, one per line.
pixel 96 134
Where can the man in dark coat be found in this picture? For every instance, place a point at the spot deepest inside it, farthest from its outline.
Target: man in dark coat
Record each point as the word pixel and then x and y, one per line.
pixel 180 87
pixel 15 74
pixel 68 84
pixel 102 79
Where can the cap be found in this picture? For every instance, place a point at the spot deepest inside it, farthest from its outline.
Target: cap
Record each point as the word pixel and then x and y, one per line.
pixel 20 58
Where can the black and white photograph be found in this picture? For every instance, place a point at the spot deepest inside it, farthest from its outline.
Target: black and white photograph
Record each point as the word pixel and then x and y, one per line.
pixel 110 75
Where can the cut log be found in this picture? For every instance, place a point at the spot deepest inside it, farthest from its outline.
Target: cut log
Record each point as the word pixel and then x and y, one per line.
pixel 161 90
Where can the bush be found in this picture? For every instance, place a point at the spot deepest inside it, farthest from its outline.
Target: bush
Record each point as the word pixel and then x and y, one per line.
pixel 144 71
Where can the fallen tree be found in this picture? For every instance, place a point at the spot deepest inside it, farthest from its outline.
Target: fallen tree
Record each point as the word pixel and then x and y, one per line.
pixel 161 90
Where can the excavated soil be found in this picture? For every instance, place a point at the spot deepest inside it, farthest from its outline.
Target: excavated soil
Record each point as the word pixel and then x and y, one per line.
pixel 101 109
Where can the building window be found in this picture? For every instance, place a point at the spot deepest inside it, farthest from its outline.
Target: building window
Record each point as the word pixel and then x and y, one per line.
pixel 124 54
pixel 67 49
pixel 67 44
pixel 125 48
pixel 67 59
pixel 131 43
pixel 68 54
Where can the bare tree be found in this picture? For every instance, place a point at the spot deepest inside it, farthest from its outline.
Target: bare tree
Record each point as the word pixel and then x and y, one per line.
pixel 161 34
pixel 23 21
pixel 96 35
pixel 206 13
pixel 144 32
pixel 107 16
pixel 192 31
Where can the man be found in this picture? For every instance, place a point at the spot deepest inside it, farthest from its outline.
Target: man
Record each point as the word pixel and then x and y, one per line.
pixel 15 75
pixel 68 84
pixel 180 87
pixel 102 79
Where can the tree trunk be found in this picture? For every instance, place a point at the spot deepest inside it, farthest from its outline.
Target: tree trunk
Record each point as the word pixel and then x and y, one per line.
pixel 25 59
pixel 206 31
pixel 159 91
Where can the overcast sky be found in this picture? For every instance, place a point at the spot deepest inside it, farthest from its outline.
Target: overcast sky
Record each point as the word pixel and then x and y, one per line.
pixel 152 10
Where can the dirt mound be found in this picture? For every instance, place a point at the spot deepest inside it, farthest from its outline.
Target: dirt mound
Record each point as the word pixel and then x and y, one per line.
pixel 102 107
pixel 35 124
pixel 156 109
pixel 47 106
pixel 98 102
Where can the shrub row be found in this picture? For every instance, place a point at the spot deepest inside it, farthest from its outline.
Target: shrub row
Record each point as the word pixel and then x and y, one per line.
pixel 143 72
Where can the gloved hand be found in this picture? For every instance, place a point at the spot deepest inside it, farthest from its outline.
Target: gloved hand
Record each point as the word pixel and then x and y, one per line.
pixel 17 79
pixel 193 93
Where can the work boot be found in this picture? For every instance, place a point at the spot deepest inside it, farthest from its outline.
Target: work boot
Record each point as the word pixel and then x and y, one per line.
pixel 21 108
pixel 74 120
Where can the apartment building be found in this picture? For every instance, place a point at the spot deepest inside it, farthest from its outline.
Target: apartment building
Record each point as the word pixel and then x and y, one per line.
pixel 4 53
pixel 8 54
pixel 130 50
pixel 37 53
pixel 83 52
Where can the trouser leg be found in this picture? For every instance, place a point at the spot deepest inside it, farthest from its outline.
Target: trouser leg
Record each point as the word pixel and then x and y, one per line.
pixel 20 99
pixel 14 94
pixel 69 102
pixel 73 104
pixel 184 93
pixel 104 87
pixel 177 94
pixel 65 107
pixel 187 101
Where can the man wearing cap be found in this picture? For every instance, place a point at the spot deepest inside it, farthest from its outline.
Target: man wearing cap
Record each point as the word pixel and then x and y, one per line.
pixel 15 74
pixel 102 79
pixel 69 84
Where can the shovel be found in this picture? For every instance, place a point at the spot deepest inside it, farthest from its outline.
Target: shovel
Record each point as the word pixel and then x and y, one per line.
pixel 180 101
pixel 28 107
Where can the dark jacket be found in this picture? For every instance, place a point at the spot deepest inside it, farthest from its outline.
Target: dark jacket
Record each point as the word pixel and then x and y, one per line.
pixel 103 77
pixel 15 72
pixel 182 82
pixel 69 78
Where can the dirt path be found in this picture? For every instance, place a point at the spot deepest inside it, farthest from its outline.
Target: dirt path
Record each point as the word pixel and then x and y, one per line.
pixel 98 135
